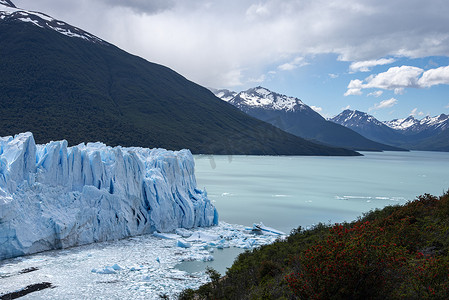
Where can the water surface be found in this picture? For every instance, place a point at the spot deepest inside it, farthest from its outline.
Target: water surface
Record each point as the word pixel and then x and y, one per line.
pixel 285 192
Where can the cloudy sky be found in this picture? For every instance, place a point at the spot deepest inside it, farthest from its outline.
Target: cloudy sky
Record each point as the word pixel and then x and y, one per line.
pixel 386 57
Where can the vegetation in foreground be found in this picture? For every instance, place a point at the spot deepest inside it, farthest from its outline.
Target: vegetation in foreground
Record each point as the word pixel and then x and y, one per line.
pixel 398 252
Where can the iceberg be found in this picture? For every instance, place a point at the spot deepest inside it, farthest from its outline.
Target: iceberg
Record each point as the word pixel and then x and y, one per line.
pixel 262 229
pixel 53 196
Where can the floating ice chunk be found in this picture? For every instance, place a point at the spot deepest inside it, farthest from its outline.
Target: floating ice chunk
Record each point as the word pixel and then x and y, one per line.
pixel 106 270
pixel 167 236
pixel 262 229
pixel 208 258
pixel 183 244
pixel 222 244
pixel 183 232
pixel 202 236
pixel 53 196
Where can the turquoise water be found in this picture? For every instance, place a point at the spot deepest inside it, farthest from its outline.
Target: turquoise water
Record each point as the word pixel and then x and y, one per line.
pixel 284 192
pixel 223 259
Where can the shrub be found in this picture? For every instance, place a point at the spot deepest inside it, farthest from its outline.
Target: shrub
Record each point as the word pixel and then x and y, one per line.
pixel 350 263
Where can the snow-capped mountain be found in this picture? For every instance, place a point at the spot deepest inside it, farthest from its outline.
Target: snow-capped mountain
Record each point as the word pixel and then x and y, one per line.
pixel 410 125
pixel 263 98
pixel 368 126
pixel 355 118
pixel 402 124
pixel 294 116
pixel 224 94
pixel 7 3
pixel 9 12
pixel 409 132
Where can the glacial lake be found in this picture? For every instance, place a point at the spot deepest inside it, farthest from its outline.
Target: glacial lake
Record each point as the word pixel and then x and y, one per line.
pixel 285 192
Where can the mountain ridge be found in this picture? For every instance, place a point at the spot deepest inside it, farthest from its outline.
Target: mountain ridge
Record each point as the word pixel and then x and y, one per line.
pixel 410 125
pixel 426 134
pixel 11 13
pixel 294 116
pixel 7 3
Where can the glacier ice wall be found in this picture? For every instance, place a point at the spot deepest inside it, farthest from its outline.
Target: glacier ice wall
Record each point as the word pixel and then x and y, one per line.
pixel 53 196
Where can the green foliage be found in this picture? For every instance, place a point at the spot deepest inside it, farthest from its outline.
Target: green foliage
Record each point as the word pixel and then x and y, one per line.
pixel 399 252
pixel 213 275
pixel 60 87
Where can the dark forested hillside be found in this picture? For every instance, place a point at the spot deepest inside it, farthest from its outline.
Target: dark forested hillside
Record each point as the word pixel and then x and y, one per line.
pixel 62 87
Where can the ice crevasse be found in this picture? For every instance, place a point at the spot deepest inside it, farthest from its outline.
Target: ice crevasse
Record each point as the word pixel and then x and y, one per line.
pixel 53 196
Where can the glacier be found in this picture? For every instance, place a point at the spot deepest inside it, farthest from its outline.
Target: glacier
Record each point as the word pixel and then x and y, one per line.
pixel 53 196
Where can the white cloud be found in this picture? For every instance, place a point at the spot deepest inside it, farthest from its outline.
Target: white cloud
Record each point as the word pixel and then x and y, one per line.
pixel 257 11
pixel 399 91
pixel 353 92
pixel 347 107
pixel 333 76
pixel 399 78
pixel 233 77
pixel 354 88
pixel 204 39
pixel 447 106
pixel 365 66
pixel 259 79
pixel 384 104
pixel 395 77
pixel 316 108
pixel 376 94
pixel 415 112
pixel 294 64
pixel 434 77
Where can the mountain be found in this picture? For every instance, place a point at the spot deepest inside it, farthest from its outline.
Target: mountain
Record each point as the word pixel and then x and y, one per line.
pixel 61 82
pixel 369 127
pixel 402 124
pixel 439 142
pixel 292 115
pixel 424 128
pixel 224 94
pixel 430 133
pixel 7 3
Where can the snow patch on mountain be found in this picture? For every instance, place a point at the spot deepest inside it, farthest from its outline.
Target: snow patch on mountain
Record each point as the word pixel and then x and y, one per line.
pixel 355 118
pixel 260 97
pixel 7 3
pixel 225 95
pixel 410 124
pixel 53 196
pixel 441 122
pixel 402 124
pixel 9 12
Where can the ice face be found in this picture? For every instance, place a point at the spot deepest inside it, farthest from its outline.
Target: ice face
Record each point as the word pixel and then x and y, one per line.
pixel 53 196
